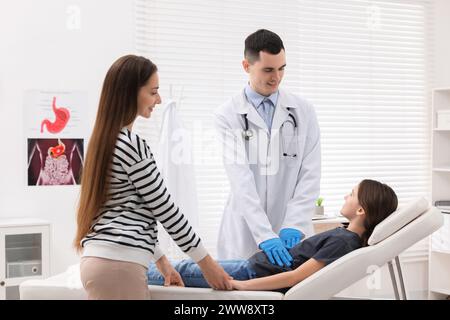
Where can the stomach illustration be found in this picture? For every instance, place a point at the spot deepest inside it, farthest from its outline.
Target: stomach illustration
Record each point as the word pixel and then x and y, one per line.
pixel 62 116
pixel 57 151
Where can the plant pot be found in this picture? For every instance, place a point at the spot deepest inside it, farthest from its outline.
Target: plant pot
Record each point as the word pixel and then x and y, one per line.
pixel 319 211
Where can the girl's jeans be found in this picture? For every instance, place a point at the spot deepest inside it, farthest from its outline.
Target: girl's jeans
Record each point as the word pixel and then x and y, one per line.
pixel 192 275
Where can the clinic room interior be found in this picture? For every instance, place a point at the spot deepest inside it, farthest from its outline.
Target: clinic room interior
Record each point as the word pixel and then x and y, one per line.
pixel 225 150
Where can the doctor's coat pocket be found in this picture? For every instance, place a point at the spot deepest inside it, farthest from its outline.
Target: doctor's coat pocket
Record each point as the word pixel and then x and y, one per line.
pixel 290 151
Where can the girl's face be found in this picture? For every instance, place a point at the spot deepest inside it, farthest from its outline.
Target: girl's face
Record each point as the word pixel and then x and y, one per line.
pixel 351 206
pixel 148 96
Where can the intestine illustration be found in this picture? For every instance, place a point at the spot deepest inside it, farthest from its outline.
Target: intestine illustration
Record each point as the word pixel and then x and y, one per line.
pixel 59 167
pixel 62 118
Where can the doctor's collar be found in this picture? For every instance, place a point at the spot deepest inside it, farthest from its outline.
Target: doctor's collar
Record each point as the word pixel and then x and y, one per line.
pixel 255 98
pixel 286 101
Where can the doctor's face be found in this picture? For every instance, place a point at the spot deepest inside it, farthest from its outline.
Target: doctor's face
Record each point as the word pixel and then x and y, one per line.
pixel 265 74
pixel 351 205
pixel 148 96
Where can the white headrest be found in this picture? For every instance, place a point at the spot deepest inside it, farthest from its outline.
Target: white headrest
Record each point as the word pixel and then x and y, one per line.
pixel 398 219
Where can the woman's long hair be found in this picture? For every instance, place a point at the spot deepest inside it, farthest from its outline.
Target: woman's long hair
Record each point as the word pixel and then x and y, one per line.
pixel 117 108
pixel 378 201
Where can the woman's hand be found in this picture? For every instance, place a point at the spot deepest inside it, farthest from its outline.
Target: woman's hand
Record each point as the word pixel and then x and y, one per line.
pixel 214 274
pixel 171 276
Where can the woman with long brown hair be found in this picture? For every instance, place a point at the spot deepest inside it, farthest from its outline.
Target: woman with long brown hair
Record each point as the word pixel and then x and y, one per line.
pixel 369 203
pixel 123 195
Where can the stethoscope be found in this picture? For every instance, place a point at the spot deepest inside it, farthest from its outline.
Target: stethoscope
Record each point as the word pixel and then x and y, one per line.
pixel 247 133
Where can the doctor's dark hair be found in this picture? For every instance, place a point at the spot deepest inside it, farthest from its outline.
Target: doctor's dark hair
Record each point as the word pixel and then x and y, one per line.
pixel 117 108
pixel 378 201
pixel 262 40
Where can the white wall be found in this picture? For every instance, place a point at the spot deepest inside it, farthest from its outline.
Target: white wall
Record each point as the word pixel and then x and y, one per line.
pixel 442 43
pixel 39 51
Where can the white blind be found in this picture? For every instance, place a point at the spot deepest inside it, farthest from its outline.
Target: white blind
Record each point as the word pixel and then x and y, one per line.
pixel 363 64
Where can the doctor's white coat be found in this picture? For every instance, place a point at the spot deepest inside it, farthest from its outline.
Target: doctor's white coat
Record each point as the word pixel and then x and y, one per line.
pixel 174 160
pixel 268 191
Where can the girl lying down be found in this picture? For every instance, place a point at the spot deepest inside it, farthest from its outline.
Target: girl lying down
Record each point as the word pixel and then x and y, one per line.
pixel 369 203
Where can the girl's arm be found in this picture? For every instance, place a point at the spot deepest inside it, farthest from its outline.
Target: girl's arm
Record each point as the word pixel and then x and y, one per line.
pixel 281 280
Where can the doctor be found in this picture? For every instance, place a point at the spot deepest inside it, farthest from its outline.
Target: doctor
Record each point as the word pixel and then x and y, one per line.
pixel 271 151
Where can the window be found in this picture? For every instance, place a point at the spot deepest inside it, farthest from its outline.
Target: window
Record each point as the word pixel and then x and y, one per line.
pixel 363 64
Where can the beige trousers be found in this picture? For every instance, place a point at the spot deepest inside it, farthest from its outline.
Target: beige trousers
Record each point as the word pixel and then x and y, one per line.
pixel 106 279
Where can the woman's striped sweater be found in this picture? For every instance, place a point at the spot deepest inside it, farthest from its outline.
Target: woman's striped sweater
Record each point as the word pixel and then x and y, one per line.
pixel 125 229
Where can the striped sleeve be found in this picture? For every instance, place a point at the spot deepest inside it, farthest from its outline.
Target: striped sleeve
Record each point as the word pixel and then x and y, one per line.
pixel 145 176
pixel 158 253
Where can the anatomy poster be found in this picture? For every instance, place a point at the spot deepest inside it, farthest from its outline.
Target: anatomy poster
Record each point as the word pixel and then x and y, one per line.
pixel 55 114
pixel 54 161
pixel 55 127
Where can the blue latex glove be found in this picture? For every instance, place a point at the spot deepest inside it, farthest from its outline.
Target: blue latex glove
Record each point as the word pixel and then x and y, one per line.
pixel 276 252
pixel 290 237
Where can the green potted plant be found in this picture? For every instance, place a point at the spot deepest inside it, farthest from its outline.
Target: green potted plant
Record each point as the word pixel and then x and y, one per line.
pixel 319 210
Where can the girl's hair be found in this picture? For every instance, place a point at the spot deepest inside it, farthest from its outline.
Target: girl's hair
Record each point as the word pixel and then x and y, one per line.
pixel 117 108
pixel 378 201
